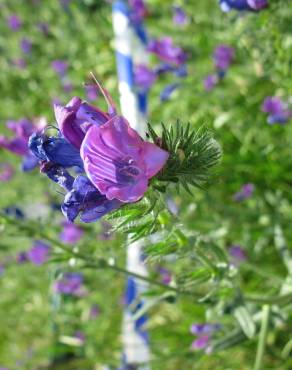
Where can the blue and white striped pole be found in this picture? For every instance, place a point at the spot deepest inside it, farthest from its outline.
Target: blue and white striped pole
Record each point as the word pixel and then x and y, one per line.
pixel 130 45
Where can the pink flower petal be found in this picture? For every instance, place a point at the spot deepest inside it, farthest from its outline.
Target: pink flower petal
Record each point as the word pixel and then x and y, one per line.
pixel 155 158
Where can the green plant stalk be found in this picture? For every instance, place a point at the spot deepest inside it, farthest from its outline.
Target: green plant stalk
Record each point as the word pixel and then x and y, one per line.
pixel 262 338
pixel 103 263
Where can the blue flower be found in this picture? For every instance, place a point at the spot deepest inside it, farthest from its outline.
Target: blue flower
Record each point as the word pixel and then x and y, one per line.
pixel 55 149
pixel 86 200
pixel 250 5
pixel 168 90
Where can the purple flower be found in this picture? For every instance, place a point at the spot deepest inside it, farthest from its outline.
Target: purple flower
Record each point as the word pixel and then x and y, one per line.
pixel 257 4
pixel 200 329
pixel 39 253
pixel 67 87
pixel 44 28
pixel 14 22
pixel 138 10
pixel 18 145
pixel 201 342
pixel 165 275
pixel 19 63
pixel 223 56
pixel 277 110
pixel 21 257
pixel 118 162
pixel 251 5
pixel 25 45
pixel 204 333
pixel 94 311
pixel 144 76
pixel 71 233
pixel 80 336
pixel 180 71
pixel 70 284
pixel 22 130
pixel 237 254
pixel 245 192
pixel 6 172
pixel 76 118
pixel 210 82
pixel 91 92
pixel 168 90
pixel 2 270
pixel 60 67
pixel 167 51
pixel 65 3
pixel 179 16
pixel 273 105
pixel 86 200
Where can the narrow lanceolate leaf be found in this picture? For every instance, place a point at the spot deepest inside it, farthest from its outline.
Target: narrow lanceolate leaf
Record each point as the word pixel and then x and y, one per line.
pixel 245 321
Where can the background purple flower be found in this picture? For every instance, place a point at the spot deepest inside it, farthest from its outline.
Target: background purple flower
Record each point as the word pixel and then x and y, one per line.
pixel 39 253
pixel 165 275
pixel 60 67
pixel 25 45
pixel 21 257
pixel 237 254
pixel 144 76
pixel 91 92
pixel 67 87
pixel 273 105
pixel 2 269
pixel 44 28
pixel 70 284
pixel 210 82
pixel 94 311
pixel 168 91
pixel 14 22
pixel 223 56
pixel 71 233
pixel 138 10
pixel 276 109
pixel 6 172
pixel 245 192
pixel 165 49
pixel 201 342
pixel 19 62
pixel 257 4
pixel 199 329
pixel 179 16
pixel 80 336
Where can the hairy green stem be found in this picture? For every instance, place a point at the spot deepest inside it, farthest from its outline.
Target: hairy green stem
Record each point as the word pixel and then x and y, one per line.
pixel 103 263
pixel 262 338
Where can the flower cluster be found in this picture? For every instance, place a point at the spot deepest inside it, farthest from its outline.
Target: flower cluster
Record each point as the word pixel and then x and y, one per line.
pixel 249 5
pixel 222 57
pixel 172 57
pixel 114 164
pixel 277 110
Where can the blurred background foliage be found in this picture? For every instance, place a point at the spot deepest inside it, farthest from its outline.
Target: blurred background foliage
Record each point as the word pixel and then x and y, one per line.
pixel 35 323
